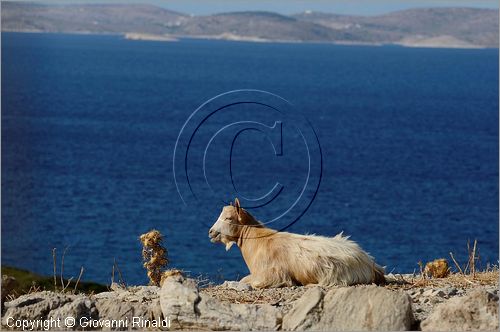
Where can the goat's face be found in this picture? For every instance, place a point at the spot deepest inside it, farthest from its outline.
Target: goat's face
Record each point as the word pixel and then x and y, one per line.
pixel 227 228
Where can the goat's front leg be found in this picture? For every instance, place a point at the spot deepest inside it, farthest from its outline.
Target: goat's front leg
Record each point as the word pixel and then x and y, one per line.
pixel 271 279
pixel 247 279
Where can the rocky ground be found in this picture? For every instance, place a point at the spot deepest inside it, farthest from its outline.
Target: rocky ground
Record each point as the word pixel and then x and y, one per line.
pixel 425 294
pixel 457 302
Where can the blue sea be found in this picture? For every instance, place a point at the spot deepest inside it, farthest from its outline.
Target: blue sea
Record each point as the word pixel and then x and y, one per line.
pixel 408 137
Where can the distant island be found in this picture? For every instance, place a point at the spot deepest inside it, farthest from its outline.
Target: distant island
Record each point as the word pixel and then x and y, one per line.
pixel 146 36
pixel 427 27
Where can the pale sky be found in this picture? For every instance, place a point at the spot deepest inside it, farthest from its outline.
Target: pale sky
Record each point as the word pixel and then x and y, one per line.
pixel 354 7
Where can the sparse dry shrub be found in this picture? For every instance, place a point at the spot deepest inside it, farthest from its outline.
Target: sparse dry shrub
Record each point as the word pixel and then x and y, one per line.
pixel 154 255
pixel 438 268
pixel 467 275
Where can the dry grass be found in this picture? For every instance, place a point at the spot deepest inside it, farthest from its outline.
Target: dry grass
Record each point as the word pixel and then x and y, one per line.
pixel 459 280
pixel 64 284
pixel 472 259
pixel 286 295
pixel 438 273
pixel 273 296
pixel 121 281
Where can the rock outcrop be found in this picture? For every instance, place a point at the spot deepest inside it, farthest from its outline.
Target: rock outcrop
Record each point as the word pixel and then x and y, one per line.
pixel 306 312
pixel 109 310
pixel 365 308
pixel 477 311
pixel 181 301
pixel 180 305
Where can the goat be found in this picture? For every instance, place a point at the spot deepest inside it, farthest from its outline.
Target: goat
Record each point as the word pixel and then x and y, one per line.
pixel 278 259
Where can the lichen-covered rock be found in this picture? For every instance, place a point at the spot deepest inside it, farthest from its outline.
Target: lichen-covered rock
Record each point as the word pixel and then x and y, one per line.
pixel 477 311
pixel 126 303
pixel 365 308
pixel 79 307
pixel 141 302
pixel 305 312
pixel 187 309
pixel 180 303
pixel 35 305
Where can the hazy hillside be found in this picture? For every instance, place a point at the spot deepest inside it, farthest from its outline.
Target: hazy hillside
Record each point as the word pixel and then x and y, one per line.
pixel 475 26
pixel 459 27
pixel 262 25
pixel 97 18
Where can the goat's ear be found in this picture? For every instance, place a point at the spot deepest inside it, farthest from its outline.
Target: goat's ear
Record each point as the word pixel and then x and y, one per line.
pixel 237 205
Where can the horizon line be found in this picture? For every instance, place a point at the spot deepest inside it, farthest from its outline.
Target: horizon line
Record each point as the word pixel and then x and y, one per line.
pixel 169 6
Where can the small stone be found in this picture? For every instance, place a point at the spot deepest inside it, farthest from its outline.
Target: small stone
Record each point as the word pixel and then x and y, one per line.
pixel 428 292
pixel 414 294
pixel 452 291
pixel 236 285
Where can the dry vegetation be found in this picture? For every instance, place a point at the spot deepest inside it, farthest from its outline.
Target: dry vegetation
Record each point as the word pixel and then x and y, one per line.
pixel 274 296
pixel 485 278
pixel 284 296
pixel 154 255
pixel 64 284
pixel 436 274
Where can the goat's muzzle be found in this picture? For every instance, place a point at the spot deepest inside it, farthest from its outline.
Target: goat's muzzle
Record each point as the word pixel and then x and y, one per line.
pixel 214 235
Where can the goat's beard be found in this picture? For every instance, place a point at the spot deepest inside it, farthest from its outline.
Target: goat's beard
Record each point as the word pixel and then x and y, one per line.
pixel 229 245
pixel 227 241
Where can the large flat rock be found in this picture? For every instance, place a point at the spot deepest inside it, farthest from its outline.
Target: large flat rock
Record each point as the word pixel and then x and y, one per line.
pixel 363 308
pixel 181 301
pixel 477 311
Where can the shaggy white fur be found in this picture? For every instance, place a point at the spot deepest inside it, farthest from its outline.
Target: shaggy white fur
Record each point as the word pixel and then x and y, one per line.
pixel 277 259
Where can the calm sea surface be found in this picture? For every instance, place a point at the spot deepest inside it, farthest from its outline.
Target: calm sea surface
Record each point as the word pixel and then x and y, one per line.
pixel 89 123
